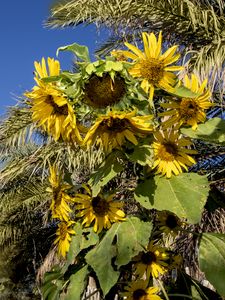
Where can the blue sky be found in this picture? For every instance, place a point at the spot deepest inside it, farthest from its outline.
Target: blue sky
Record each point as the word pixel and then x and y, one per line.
pixel 24 40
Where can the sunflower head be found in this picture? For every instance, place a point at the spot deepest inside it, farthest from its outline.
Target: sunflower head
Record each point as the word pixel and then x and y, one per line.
pixel 50 107
pixel 113 129
pixel 151 66
pixel 171 154
pixel 138 290
pixel 100 211
pixel 189 111
pixel 63 237
pixel 100 92
pixel 168 222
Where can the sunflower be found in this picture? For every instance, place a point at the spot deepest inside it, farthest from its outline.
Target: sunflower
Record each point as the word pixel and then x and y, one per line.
pixel 168 222
pixel 151 66
pixel 59 206
pixel 189 111
pixel 100 210
pixel 103 91
pixel 151 262
pixel 63 237
pixel 138 290
pixel 50 107
pixel 114 128
pixel 171 154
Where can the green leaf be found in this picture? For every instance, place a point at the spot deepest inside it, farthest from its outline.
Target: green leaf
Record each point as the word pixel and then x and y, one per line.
pixel 212 259
pixel 80 51
pixel 142 155
pixel 52 285
pixel 185 195
pixel 212 131
pixel 132 235
pixel 113 65
pixel 77 284
pixel 121 242
pixel 183 92
pixel 112 166
pixel 84 238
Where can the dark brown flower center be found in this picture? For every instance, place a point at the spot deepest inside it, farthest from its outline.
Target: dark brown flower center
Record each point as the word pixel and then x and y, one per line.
pixel 63 231
pixel 168 151
pixel 100 206
pixel 103 91
pixel 138 294
pixel 114 124
pixel 57 195
pixel 171 221
pixel 59 110
pixel 148 258
pixel 188 108
pixel 152 70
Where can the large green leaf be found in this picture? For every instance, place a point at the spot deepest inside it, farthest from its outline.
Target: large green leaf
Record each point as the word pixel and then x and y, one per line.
pixel 80 51
pixel 212 259
pixel 84 238
pixel 132 235
pixel 185 195
pixel 212 131
pixel 143 155
pixel 77 284
pixel 112 166
pixel 121 242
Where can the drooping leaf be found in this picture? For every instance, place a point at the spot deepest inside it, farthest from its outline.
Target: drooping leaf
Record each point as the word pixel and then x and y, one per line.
pixel 121 242
pixel 80 51
pixel 112 166
pixel 77 284
pixel 183 92
pixel 212 259
pixel 212 131
pixel 185 195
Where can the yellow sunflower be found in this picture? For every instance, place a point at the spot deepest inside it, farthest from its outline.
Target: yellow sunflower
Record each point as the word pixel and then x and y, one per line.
pixel 59 206
pixel 100 210
pixel 152 67
pixel 189 111
pixel 138 290
pixel 171 153
pixel 50 107
pixel 168 222
pixel 63 238
pixel 114 128
pixel 151 262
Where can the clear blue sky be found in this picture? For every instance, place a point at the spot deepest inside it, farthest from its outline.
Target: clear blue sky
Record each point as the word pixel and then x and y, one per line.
pixel 24 40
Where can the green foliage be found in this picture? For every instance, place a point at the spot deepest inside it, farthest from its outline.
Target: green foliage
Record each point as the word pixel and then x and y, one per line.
pixel 111 167
pixel 77 284
pixel 53 282
pixel 212 131
pixel 121 242
pixel 183 92
pixel 212 259
pixel 80 52
pixel 185 195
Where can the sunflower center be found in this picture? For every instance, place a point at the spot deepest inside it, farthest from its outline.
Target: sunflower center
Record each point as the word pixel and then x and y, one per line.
pixel 59 110
pixel 168 151
pixel 138 294
pixel 103 91
pixel 100 206
pixel 148 258
pixel 114 124
pixel 188 108
pixel 57 195
pixel 171 221
pixel 63 231
pixel 152 69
